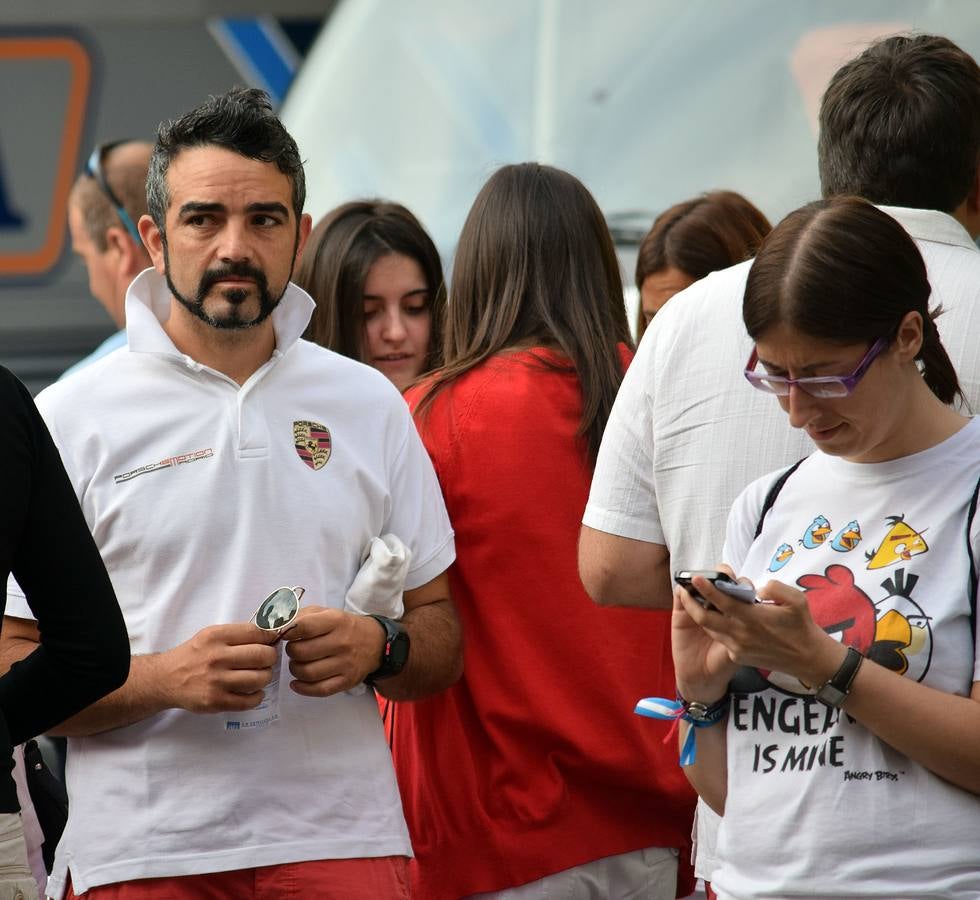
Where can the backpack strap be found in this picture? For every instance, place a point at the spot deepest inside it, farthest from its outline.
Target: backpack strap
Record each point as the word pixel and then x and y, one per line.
pixel 973 562
pixel 777 486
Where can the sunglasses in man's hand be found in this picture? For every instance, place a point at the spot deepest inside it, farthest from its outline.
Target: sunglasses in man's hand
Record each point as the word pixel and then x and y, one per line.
pixel 278 612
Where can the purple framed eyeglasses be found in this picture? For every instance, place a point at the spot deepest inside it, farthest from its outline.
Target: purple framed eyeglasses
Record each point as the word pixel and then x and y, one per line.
pixel 822 386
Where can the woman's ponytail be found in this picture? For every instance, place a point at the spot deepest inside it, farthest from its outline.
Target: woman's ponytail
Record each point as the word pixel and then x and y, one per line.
pixel 937 368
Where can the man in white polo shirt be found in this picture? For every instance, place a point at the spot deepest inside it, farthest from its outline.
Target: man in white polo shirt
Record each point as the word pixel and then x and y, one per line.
pixel 900 126
pixel 219 459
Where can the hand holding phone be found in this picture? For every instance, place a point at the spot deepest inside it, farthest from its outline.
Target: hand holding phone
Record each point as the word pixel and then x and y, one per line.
pixel 720 580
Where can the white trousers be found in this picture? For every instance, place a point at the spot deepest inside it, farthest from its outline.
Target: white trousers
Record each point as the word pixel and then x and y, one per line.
pixel 16 880
pixel 32 828
pixel 649 874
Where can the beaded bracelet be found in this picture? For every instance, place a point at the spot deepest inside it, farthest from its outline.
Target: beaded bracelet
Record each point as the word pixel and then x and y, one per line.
pixel 698 714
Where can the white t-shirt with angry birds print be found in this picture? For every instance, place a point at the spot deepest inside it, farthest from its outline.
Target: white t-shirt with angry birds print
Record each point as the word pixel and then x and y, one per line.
pixel 817 805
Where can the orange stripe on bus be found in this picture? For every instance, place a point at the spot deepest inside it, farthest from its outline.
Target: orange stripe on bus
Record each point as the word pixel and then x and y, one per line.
pixel 72 52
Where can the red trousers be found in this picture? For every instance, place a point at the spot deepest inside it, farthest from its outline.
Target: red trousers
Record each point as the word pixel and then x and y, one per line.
pixel 331 879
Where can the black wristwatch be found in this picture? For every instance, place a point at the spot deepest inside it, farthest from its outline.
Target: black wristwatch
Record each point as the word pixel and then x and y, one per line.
pixel 834 692
pixel 394 654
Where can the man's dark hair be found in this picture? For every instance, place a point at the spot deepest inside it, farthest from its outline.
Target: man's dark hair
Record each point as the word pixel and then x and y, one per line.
pixel 242 121
pixel 900 124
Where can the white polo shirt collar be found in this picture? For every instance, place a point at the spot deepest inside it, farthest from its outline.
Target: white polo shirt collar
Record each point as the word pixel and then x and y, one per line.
pixel 931 225
pixel 148 303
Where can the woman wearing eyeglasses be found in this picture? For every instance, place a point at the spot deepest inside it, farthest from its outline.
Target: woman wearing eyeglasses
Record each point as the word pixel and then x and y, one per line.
pixel 837 722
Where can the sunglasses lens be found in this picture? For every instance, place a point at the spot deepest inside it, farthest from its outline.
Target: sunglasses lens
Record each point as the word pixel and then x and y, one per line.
pixel 277 610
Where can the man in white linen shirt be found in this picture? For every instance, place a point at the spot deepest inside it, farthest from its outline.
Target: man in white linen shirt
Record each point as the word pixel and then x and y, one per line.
pixel 217 459
pixel 899 126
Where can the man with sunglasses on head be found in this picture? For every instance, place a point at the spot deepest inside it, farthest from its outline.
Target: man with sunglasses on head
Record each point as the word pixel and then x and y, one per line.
pixel 899 126
pixel 218 458
pixel 105 203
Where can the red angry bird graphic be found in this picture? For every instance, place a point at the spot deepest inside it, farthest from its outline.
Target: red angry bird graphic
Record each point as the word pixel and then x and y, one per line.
pixel 840 607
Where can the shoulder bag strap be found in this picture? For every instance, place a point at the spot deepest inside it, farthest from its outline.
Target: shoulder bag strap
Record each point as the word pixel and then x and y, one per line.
pixel 973 562
pixel 777 486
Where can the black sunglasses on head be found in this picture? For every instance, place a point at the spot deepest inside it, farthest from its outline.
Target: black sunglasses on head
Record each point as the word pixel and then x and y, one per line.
pixel 93 168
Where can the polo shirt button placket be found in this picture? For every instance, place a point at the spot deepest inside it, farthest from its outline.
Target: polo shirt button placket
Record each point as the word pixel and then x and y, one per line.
pixel 253 427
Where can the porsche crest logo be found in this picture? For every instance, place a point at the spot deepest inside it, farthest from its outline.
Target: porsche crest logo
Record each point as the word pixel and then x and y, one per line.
pixel 312 442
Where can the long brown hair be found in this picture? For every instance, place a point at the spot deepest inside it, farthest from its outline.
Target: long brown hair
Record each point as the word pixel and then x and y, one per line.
pixel 699 236
pixel 843 271
pixel 536 263
pixel 336 261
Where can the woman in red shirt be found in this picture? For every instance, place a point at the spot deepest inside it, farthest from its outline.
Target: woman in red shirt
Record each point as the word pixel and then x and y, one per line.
pixel 532 770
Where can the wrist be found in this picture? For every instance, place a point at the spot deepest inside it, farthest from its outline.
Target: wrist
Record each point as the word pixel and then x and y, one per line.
pixel 836 689
pixel 703 693
pixel 702 714
pixel 374 642
pixel 696 714
pixel 821 665
pixel 162 675
pixel 393 649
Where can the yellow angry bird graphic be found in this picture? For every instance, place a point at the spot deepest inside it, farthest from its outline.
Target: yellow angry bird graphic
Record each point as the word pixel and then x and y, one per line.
pixel 903 634
pixel 900 544
pixel 896 639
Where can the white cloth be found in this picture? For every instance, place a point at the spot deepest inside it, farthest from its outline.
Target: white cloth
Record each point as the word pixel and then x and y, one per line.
pixel 817 805
pixel 687 431
pixel 379 584
pixel 204 496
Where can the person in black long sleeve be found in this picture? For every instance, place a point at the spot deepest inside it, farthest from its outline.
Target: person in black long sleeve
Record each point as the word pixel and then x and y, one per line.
pixel 46 544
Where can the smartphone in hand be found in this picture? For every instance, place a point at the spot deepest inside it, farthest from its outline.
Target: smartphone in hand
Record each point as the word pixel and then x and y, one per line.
pixel 720 580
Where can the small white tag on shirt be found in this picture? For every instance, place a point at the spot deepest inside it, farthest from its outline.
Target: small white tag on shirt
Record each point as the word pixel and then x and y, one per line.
pixel 267 712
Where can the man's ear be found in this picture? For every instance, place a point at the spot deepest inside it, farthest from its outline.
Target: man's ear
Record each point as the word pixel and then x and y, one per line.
pixel 129 256
pixel 305 226
pixel 153 241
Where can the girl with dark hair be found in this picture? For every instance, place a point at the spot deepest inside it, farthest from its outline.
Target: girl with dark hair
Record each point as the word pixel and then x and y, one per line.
pixel 376 278
pixel 531 774
pixel 690 240
pixel 849 763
